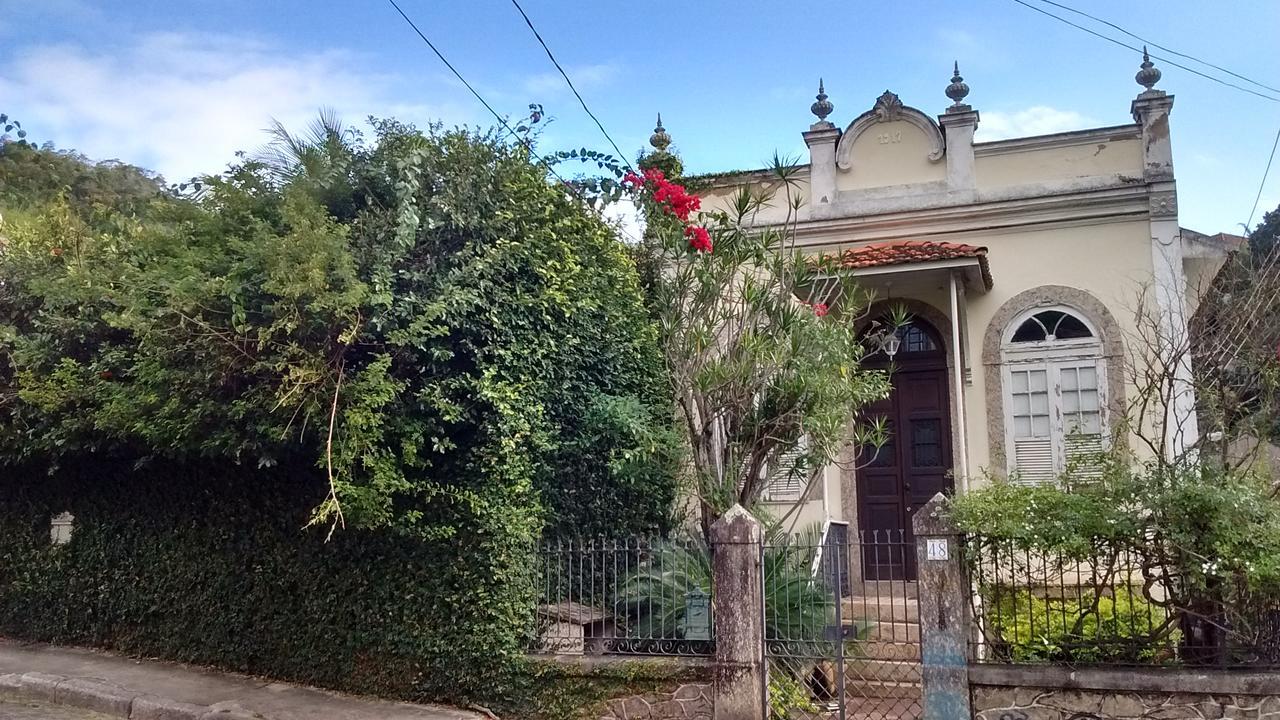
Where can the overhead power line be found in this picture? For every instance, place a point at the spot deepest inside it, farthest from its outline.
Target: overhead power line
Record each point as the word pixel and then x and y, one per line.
pixel 501 120
pixel 569 82
pixel 1164 60
pixel 1155 44
pixel 1263 184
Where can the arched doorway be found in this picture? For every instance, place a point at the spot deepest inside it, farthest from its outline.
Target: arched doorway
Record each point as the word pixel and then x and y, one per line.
pixel 915 463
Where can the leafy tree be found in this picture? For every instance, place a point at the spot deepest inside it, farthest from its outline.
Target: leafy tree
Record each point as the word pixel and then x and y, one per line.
pixel 100 192
pixel 1264 237
pixel 423 318
pixel 760 341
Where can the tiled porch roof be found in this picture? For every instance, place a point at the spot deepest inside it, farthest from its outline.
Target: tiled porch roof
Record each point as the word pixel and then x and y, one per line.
pixel 905 252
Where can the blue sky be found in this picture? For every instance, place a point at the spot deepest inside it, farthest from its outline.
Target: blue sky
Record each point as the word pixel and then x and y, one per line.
pixel 179 86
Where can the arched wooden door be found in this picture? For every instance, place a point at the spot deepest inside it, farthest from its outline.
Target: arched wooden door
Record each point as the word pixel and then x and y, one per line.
pixel 915 463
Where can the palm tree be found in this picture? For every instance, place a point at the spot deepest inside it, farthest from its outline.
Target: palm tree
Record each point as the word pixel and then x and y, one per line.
pixel 321 153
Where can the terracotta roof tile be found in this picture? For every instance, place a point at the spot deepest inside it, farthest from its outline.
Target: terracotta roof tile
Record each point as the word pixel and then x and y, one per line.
pixel 904 252
pixel 907 251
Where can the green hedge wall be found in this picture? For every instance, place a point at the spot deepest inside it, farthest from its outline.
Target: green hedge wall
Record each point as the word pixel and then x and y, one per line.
pixel 213 566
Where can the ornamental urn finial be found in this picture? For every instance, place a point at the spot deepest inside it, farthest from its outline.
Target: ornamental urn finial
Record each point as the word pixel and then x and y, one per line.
pixel 957 90
pixel 660 139
pixel 1149 75
pixel 823 107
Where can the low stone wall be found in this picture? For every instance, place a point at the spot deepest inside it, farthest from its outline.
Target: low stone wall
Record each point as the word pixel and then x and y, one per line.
pixel 617 687
pixel 692 701
pixel 1051 692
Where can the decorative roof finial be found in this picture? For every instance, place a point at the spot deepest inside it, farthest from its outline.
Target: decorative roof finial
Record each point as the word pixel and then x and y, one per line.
pixel 957 90
pixel 660 139
pixel 1149 75
pixel 823 107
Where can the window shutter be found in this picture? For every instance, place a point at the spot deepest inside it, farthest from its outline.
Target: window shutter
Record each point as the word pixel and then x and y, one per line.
pixel 1033 459
pixel 1082 456
pixel 783 482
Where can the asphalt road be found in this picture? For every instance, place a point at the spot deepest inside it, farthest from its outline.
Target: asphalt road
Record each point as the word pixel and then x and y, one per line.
pixel 25 710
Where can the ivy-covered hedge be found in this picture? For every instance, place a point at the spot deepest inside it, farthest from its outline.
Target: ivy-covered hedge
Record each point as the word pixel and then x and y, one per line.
pixel 211 566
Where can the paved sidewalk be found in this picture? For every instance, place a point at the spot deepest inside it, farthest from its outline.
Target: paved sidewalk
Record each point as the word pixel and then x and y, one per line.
pixel 35 710
pixel 153 690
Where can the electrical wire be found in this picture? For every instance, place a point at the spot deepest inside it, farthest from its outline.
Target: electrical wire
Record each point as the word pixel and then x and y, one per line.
pixel 1155 44
pixel 501 120
pixel 569 82
pixel 1167 61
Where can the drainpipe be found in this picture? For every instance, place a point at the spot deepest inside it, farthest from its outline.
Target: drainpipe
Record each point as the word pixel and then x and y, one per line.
pixel 957 379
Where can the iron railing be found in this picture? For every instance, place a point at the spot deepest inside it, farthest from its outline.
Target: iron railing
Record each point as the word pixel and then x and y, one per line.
pixel 628 597
pixel 1114 604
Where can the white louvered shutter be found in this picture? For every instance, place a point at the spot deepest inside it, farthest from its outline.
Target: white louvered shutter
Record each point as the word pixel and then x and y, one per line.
pixel 1032 431
pixel 1081 407
pixel 783 483
pixel 1033 460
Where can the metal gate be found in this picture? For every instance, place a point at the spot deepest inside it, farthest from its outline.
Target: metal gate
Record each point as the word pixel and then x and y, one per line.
pixel 839 646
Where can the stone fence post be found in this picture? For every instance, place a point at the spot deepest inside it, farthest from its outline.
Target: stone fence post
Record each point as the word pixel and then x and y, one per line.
pixel 738 593
pixel 944 618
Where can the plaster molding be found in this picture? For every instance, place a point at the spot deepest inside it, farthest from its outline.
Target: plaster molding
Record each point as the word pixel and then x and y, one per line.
pixel 937 195
pixel 889 108
pixel 1032 143
pixel 1164 204
pixel 1083 302
pixel 885 221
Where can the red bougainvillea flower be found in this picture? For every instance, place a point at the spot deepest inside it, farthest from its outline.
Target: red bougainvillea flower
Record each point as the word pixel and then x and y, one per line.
pixel 673 198
pixel 820 309
pixel 105 375
pixel 699 238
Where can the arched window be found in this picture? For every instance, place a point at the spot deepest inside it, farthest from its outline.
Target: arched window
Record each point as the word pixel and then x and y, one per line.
pixel 1054 394
pixel 915 339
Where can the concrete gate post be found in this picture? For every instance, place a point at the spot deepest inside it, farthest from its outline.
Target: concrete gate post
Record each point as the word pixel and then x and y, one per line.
pixel 944 618
pixel 738 593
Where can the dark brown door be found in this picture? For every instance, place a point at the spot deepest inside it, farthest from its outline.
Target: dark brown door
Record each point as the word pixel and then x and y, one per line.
pixel 914 464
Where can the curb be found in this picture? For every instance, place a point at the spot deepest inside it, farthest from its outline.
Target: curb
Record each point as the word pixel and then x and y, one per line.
pixel 114 700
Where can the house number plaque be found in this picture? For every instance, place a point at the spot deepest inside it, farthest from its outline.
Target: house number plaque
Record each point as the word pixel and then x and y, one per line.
pixel 936 549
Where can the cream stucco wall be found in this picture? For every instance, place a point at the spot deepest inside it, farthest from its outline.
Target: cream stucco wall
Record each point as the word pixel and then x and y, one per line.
pixel 999 165
pixel 1111 262
pixel 721 197
pixel 891 153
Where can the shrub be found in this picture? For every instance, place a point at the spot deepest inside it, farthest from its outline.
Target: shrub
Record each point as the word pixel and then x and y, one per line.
pixel 1200 545
pixel 213 567
pixel 1025 627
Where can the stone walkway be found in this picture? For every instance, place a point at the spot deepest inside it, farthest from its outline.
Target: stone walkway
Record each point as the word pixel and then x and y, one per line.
pixel 152 690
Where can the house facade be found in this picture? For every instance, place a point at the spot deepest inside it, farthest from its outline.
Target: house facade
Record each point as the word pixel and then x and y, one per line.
pixel 1027 266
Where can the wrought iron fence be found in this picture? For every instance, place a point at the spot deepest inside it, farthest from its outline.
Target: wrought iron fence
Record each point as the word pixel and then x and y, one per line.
pixel 842 637
pixel 1114 604
pixel 630 597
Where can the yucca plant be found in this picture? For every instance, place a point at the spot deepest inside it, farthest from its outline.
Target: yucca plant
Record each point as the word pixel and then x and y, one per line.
pixel 799 606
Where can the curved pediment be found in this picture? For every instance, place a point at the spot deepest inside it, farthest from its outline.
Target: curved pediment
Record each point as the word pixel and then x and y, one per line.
pixel 903 119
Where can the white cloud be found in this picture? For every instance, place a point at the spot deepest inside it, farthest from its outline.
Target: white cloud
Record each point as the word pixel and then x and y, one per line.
pixel 1036 120
pixel 183 103
pixel 625 216
pixel 584 77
